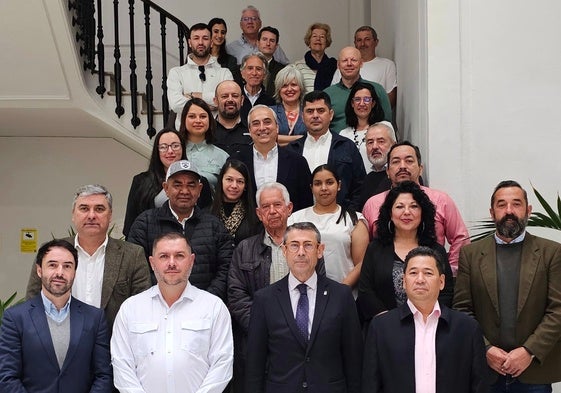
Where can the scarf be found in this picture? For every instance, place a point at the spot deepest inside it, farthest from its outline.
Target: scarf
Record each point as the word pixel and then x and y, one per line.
pixel 233 221
pixel 325 69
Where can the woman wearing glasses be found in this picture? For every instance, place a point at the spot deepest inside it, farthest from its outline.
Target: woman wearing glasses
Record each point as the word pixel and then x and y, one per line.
pixel 362 110
pixel 146 190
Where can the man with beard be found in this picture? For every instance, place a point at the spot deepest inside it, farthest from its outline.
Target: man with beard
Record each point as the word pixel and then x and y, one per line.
pixel 173 337
pixel 199 76
pixel 231 130
pixel 404 163
pixel 54 342
pixel 379 138
pixel 510 282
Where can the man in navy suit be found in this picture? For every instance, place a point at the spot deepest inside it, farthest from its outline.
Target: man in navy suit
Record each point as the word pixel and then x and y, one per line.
pixel 304 333
pixel 54 342
pixel 267 161
pixel 423 346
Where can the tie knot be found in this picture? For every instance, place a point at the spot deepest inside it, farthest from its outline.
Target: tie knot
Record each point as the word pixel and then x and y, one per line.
pixel 302 288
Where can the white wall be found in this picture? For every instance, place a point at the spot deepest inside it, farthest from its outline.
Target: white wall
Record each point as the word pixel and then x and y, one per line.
pixel 39 177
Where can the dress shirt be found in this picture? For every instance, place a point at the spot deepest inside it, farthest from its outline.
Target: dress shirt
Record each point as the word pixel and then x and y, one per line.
pixel 89 274
pixel 241 47
pixel 209 160
pixel 294 293
pixel 448 222
pixel 425 349
pixel 315 151
pixel 182 222
pixel 265 168
pixel 519 239
pixel 52 312
pixel 279 267
pixel 252 97
pixel 185 348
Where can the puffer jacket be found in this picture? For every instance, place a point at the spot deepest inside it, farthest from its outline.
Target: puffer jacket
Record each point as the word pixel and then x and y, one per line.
pixel 210 242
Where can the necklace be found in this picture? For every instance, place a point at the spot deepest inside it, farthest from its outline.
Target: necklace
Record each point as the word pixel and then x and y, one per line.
pixel 291 116
pixel 357 141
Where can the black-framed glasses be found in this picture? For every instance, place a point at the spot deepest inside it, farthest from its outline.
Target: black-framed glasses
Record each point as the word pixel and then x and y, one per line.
pixel 202 75
pixel 163 147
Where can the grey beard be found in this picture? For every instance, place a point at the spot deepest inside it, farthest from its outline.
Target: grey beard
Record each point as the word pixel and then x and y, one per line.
pixel 513 228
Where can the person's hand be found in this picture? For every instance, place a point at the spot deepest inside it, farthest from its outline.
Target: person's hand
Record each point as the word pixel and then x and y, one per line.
pixel 496 358
pixel 517 361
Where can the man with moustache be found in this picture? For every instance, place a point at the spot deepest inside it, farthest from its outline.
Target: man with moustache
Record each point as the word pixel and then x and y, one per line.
pixel 404 163
pixel 250 23
pixel 173 337
pixel 53 342
pixel 199 76
pixel 268 162
pixel 231 133
pixel 379 138
pixel 510 282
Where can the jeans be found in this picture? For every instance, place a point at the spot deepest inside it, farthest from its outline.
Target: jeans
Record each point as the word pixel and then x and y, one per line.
pixel 509 384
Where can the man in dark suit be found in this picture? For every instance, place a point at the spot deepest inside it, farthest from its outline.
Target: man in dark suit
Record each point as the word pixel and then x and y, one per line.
pixel 304 333
pixel 254 71
pixel 118 269
pixel 511 283
pixel 322 146
pixel 423 346
pixel 54 342
pixel 267 43
pixel 267 161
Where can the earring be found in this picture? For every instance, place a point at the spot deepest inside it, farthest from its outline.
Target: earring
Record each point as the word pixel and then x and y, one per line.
pixel 390 226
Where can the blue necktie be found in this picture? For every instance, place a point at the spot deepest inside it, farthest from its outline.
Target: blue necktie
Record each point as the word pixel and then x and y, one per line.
pixel 302 311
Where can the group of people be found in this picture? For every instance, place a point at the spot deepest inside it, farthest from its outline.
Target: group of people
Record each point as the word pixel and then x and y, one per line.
pixel 270 249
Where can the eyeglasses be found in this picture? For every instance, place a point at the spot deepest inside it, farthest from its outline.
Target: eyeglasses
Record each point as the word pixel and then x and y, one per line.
pixel 176 146
pixel 249 19
pixel 295 247
pixel 202 75
pixel 366 100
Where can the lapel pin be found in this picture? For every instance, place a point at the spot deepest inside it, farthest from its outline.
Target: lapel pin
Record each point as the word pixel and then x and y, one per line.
pixel 324 293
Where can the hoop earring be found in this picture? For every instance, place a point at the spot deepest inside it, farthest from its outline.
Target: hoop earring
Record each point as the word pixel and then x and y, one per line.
pixel 390 227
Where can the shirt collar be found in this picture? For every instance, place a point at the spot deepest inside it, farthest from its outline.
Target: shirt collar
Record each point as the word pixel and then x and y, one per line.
pixel 518 239
pixel 272 153
pixel 325 138
pixel 311 282
pixel 416 313
pixel 188 293
pixel 252 95
pixel 53 312
pixel 102 245
pixel 177 217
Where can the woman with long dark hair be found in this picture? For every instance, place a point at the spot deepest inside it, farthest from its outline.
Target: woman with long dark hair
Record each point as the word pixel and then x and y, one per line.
pixel 343 231
pixel 146 190
pixel 218 30
pixel 233 201
pixel 406 221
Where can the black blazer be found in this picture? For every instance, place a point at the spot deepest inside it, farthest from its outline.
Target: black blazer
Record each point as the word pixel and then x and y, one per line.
pixel 278 358
pixel 375 285
pixel 389 354
pixel 263 99
pixel 293 172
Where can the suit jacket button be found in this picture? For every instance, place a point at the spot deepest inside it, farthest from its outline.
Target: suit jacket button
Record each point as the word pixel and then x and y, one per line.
pixel 308 360
pixel 304 384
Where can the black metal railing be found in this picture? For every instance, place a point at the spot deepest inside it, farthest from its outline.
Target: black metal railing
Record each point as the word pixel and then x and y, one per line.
pixel 88 19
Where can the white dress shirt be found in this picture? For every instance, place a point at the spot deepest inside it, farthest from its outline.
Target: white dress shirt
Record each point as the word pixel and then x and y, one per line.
pixel 294 292
pixel 185 348
pixel 89 274
pixel 265 168
pixel 316 152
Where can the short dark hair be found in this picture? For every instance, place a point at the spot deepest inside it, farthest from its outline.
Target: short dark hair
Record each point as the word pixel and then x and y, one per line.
pixel 367 28
pixel 48 246
pixel 209 134
pixel 406 143
pixel 270 29
pixel 425 251
pixel 507 184
pixel 170 236
pixel 302 226
pixel 317 95
pixel 426 232
pixel 197 27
